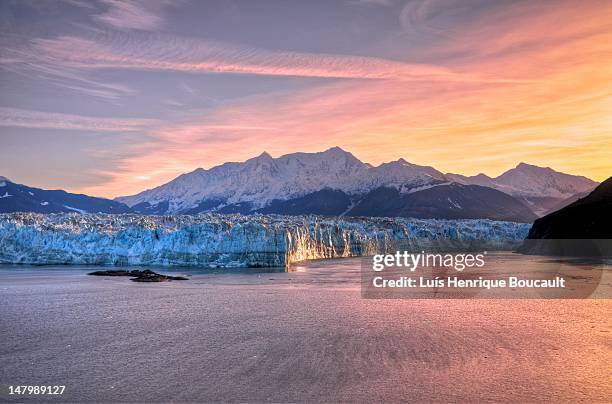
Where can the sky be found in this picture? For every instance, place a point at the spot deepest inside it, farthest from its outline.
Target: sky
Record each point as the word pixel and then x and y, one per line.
pixel 112 97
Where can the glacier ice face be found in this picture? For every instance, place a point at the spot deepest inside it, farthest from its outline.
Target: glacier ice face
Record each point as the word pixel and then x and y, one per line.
pixel 213 240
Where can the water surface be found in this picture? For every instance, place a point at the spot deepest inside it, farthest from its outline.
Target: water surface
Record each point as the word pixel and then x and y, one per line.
pixel 303 335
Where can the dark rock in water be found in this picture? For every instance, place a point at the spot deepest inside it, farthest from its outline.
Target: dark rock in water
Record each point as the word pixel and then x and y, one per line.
pixel 114 272
pixel 140 276
pixel 149 276
pixel 583 228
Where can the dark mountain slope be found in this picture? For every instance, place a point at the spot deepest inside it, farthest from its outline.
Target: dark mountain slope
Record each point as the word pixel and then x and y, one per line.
pixel 325 202
pixel 566 202
pixel 587 218
pixel 583 228
pixel 146 208
pixel 453 201
pixel 21 198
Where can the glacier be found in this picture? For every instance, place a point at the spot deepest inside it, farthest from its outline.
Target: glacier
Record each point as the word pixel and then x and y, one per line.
pixel 224 241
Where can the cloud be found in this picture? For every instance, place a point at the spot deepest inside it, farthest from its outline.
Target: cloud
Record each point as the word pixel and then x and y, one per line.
pixel 20 58
pixel 440 17
pixel 383 3
pixel 556 112
pixel 69 78
pixel 512 82
pixel 131 14
pixel 158 52
pixel 69 61
pixel 81 4
pixel 14 117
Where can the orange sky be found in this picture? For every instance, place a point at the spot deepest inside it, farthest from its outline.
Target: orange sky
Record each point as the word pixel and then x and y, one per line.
pixel 528 82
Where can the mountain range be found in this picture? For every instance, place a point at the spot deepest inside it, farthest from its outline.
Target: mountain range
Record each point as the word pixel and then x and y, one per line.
pixel 21 198
pixel 541 189
pixel 334 182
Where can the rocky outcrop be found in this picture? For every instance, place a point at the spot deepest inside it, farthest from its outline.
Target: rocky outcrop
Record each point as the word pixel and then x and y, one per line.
pixel 583 228
pixel 140 276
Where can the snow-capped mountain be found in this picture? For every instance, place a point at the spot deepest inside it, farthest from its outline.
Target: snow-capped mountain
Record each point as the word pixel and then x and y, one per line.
pixel 21 198
pixel 256 183
pixel 540 188
pixel 335 182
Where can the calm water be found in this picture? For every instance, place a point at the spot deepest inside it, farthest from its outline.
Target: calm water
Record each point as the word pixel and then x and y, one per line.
pixel 305 335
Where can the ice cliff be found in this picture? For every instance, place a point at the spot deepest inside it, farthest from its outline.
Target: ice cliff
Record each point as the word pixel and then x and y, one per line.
pixel 213 240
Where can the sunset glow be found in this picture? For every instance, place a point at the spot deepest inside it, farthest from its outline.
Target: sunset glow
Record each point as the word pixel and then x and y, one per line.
pixel 466 87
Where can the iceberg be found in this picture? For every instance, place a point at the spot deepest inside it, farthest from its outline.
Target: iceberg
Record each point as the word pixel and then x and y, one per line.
pixel 224 241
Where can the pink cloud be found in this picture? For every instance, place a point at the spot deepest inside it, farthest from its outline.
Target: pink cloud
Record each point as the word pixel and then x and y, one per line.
pixel 14 117
pixel 555 114
pixel 130 14
pixel 156 52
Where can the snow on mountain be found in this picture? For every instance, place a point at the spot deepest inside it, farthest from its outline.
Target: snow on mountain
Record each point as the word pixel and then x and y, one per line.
pixel 213 240
pixel 481 179
pixel 264 182
pixel 263 179
pixel 532 181
pixel 406 177
pixel 540 188
pixel 332 182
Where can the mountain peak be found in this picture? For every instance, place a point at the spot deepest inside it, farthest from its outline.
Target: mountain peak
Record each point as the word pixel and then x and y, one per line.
pixel 531 167
pixel 262 158
pixel 4 179
pixel 337 153
pixel 529 180
pixel 335 149
pixel 396 163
